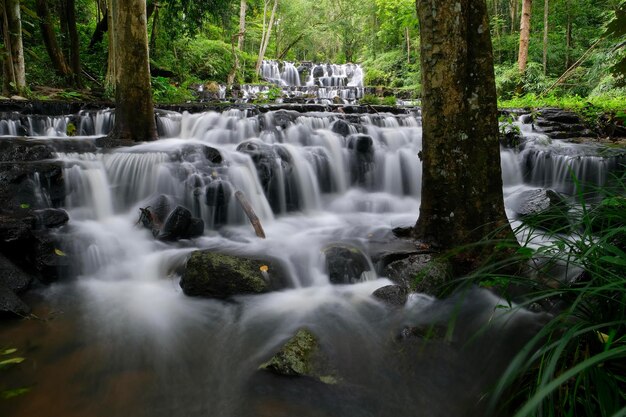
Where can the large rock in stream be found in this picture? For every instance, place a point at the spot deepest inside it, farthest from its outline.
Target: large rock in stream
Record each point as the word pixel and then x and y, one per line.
pixel 420 272
pixel 345 264
pixel 217 275
pixel 541 208
pixel 301 356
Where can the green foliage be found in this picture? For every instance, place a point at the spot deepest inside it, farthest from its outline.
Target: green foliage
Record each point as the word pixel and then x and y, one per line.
pixel 10 361
pixel 269 96
pixel 163 91
pixel 370 99
pixel 574 366
pixel 389 101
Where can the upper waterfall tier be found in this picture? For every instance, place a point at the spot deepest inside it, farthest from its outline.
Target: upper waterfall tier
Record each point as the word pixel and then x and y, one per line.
pixel 286 74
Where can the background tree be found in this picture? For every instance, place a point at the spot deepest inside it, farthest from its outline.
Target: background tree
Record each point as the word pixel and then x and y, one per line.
pixel 524 37
pixel 134 111
pixel 14 70
pixel 462 198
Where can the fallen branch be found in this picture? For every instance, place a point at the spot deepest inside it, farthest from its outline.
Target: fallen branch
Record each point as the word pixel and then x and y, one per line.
pixel 247 208
pixel 571 69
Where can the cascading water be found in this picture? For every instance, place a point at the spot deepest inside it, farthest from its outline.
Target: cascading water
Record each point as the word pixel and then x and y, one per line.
pixel 130 343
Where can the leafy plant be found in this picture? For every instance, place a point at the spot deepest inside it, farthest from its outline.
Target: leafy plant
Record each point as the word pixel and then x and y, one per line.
pixel 370 99
pixel 9 361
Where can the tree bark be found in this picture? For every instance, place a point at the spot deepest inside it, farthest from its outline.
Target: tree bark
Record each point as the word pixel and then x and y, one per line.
pixel 99 31
pixel 134 110
pixel 74 44
pixel 524 36
pixel 266 37
pixel 568 37
pixel 242 24
pixel 513 4
pixel 50 40
pixel 462 199
pixel 546 11
pixel 109 80
pixel 14 69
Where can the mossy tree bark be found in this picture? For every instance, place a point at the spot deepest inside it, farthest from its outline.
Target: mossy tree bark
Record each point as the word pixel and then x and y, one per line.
pixel 13 65
pixel 524 35
pixel 134 110
pixel 462 199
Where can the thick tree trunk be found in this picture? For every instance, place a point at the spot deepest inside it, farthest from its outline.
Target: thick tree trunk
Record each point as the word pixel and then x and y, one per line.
pixel 546 11
pixel 134 111
pixel 524 36
pixel 14 69
pixel 109 80
pixel 242 24
pixel 462 198
pixel 50 40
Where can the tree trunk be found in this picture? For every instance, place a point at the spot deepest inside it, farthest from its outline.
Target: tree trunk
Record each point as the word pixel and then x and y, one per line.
pixel 153 33
pixel 50 40
pixel 109 80
pixel 14 69
pixel 546 11
pixel 134 111
pixel 524 36
pixel 568 37
pixel 99 31
pixel 513 4
pixel 266 37
pixel 242 24
pixel 462 198
pixel 74 44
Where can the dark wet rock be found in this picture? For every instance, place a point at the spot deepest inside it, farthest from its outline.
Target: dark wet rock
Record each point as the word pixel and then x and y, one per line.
pixel 318 71
pixel 20 150
pixel 13 277
pixel 283 118
pixel 362 159
pixel 421 273
pixel 160 208
pixel 16 226
pixel 393 295
pixel 180 224
pixel 345 264
pixel 541 208
pixel 51 218
pixel 11 304
pixel 301 356
pixel 402 232
pixel 219 193
pixel 49 260
pixel 510 136
pixel 217 275
pixel 32 184
pixel 561 124
pixel 341 127
pixel 192 152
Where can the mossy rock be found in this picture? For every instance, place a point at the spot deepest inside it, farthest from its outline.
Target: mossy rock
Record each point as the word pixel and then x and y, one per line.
pixel 217 275
pixel 422 273
pixel 301 356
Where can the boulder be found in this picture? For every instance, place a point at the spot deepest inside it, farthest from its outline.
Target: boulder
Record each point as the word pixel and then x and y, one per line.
pixel 392 295
pixel 180 224
pixel 421 273
pixel 541 208
pixel 345 264
pixel 301 356
pixel 51 218
pixel 217 275
pixel 11 304
pixel 341 127
pixel 13 277
pixel 362 158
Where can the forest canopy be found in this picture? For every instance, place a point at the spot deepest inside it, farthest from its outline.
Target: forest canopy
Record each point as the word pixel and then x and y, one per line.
pixel 576 47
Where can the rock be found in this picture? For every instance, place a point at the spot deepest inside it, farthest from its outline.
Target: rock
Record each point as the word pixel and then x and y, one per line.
pixel 13 277
pixel 510 136
pixel 362 158
pixel 180 224
pixel 301 356
pixel 345 264
pixel 561 124
pixel 216 275
pixel 192 152
pixel 51 218
pixel 341 127
pixel 219 193
pixel 393 295
pixel 11 304
pixel 20 150
pixel 31 184
pixel 49 261
pixel 16 226
pixel 541 208
pixel 421 273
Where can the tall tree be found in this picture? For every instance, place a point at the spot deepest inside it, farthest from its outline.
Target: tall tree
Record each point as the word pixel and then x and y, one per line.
pixel 134 111
pixel 242 24
pixel 524 36
pixel 461 181
pixel 13 62
pixel 266 33
pixel 546 8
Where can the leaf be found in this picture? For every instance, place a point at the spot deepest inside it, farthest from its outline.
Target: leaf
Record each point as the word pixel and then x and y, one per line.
pixel 11 361
pixel 603 337
pixel 59 252
pixel 24 205
pixel 12 393
pixel 525 252
pixel 8 351
pixel 615 260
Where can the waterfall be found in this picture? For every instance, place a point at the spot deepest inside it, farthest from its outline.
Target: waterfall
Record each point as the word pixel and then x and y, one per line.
pixel 134 344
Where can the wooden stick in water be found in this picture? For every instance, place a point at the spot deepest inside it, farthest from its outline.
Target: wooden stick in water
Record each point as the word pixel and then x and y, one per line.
pixel 247 208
